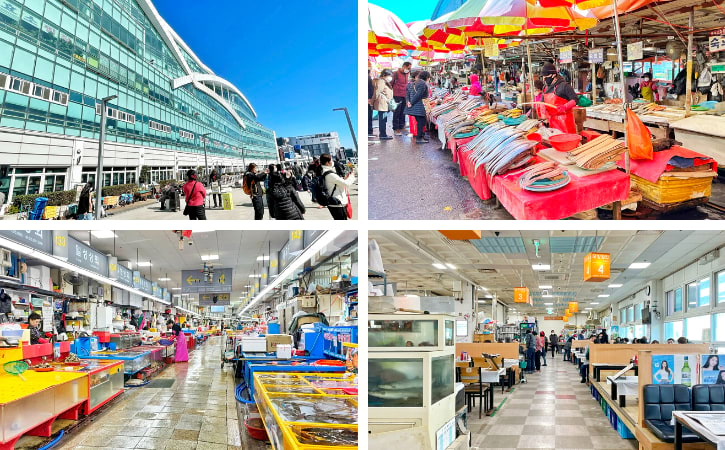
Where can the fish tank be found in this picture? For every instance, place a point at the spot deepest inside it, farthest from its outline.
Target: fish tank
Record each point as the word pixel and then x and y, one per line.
pixel 410 332
pixel 395 382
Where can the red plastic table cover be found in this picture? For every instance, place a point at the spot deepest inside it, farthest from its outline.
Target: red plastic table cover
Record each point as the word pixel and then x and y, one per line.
pixel 581 194
pixel 651 170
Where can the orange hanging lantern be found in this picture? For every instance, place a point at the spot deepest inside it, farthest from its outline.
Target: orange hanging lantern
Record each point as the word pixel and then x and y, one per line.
pixel 574 307
pixel 565 319
pixel 521 295
pixel 566 312
pixel 596 266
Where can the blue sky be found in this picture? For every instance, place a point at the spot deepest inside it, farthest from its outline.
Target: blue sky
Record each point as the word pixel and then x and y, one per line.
pixel 293 60
pixel 407 10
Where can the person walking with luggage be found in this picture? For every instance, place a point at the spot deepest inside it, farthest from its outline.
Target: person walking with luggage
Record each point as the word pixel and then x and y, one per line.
pixel 194 195
pixel 334 187
pixel 252 186
pixel 400 83
pixel 553 343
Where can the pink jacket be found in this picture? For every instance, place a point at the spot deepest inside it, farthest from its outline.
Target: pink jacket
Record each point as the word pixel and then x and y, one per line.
pixel 540 343
pixel 199 193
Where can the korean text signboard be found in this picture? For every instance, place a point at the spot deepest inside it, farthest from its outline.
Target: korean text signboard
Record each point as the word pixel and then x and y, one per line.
pixel 84 256
pixel 565 54
pixel 194 282
pixel 596 56
pixel 717 43
pixel 38 239
pixel 214 299
pixel 125 275
pixel 521 295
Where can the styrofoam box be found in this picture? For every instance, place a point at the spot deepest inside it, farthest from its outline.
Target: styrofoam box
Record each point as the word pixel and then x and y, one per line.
pixel 254 344
pixel 284 351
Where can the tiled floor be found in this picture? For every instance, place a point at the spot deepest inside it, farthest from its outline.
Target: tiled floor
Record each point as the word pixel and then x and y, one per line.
pixel 198 412
pixel 552 410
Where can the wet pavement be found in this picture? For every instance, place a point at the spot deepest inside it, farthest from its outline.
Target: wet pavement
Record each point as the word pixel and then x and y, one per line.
pixel 409 181
pixel 199 411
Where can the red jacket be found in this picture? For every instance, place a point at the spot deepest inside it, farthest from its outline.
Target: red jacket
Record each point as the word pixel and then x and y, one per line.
pixel 400 82
pixel 199 193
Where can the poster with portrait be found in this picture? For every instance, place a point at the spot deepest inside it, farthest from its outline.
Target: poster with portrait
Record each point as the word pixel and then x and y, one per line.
pixel 712 370
pixel 674 369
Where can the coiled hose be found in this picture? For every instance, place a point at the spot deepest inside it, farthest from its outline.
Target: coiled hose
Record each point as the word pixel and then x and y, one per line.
pixel 53 442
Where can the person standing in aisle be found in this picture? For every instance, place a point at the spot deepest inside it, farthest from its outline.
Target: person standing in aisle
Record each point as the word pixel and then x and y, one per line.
pixel 416 92
pixel 560 98
pixel 381 102
pixel 216 188
pixel 194 195
pixel 400 83
pixel 648 88
pixel 336 187
pixel 371 92
pixel 567 348
pixel 539 350
pixel 35 335
pixel 253 187
pixel 603 338
pixel 287 204
pixel 553 343
pixel 544 349
pixel 530 343
pixel 182 352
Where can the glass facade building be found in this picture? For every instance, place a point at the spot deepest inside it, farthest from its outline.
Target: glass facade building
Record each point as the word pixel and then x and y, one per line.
pixel 59 58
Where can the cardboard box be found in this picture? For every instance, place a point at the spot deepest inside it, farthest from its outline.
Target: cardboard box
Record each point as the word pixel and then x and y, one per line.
pixel 305 320
pixel 275 339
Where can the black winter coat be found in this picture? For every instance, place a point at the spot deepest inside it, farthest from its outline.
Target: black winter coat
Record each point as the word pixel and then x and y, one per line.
pixel 286 203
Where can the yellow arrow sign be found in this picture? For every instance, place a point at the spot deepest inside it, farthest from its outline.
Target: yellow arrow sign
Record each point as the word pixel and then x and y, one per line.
pixel 221 279
pixel 190 280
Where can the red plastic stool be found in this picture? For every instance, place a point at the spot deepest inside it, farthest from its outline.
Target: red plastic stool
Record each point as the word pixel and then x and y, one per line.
pixel 588 135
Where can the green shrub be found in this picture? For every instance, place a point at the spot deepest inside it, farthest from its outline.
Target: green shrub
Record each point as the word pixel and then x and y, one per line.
pixel 57 198
pixel 112 191
pixel 12 209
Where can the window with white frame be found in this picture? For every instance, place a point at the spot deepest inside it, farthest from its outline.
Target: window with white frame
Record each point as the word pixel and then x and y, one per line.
pixel 186 134
pixel 630 313
pixel 698 293
pixel 720 280
pixel 696 326
pixel 159 127
pixel 116 114
pixel 34 90
pixel 673 330
pixel 638 311
pixel 720 327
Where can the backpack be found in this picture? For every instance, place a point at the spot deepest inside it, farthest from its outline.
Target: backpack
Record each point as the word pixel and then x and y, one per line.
pixel 247 185
pixel 321 195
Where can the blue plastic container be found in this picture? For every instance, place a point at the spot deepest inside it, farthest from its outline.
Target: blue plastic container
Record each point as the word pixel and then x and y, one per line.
pixel 273 328
pixel 38 208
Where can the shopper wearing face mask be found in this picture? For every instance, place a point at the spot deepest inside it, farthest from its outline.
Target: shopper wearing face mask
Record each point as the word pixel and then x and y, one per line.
pixel 560 100
pixel 400 82
pixel 648 88
pixel 381 101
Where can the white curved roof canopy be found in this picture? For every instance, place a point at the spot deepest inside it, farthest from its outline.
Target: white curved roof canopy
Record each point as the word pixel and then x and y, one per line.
pixel 172 40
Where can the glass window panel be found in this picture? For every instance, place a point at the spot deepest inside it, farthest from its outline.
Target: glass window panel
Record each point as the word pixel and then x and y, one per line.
pixel 630 314
pixel 720 327
pixel 20 186
pixel 678 300
pixel 673 330
pixel 33 185
pixel 59 182
pixel 695 327
pixel 692 295
pixel 703 292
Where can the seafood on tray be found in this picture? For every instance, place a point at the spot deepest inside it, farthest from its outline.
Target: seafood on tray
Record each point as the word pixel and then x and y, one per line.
pixel 500 149
pixel 544 177
pixel 598 152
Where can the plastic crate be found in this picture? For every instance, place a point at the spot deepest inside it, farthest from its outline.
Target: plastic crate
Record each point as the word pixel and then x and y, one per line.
pixel 613 419
pixel 623 431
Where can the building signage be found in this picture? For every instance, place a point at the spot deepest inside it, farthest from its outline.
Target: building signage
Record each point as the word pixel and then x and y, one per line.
pixel 38 239
pixel 125 275
pixel 194 282
pixel 145 286
pixel 596 55
pixel 155 289
pixel 596 266
pixel 84 256
pixel 214 299
pixel 136 279
pixel 635 51
pixel 717 43
pixel 521 295
pixel 60 244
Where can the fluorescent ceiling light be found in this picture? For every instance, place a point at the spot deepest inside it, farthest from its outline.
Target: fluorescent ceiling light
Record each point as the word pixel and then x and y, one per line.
pixel 262 258
pixel 175 289
pixel 255 276
pixel 540 266
pixel 12 245
pixel 103 234
pixel 439 266
pixel 603 295
pixel 545 286
pixel 614 286
pixel 164 279
pixel 639 265
pixel 451 266
pixel 248 286
pixel 209 257
pixel 547 296
pixel 321 242
pixel 594 303
pixel 548 304
pixel 585 309
pixel 144 264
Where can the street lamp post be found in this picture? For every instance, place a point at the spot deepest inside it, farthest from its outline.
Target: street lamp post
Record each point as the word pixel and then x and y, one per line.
pixel 206 161
pixel 349 123
pixel 99 169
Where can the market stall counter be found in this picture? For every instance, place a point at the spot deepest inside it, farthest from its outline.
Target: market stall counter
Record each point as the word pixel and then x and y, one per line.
pixel 105 380
pixel 134 361
pixel 308 411
pixel 297 365
pixel 31 406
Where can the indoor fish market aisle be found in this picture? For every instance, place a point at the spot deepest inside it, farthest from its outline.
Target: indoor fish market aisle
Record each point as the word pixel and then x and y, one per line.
pixel 197 410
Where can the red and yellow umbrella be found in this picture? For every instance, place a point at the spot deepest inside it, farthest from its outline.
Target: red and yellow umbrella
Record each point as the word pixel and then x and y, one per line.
pixel 387 32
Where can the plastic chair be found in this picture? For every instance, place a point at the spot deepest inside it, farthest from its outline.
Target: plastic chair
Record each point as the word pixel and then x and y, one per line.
pixel 37 212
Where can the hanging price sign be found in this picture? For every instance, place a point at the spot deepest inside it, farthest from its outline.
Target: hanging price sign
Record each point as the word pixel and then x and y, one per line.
pixel 596 266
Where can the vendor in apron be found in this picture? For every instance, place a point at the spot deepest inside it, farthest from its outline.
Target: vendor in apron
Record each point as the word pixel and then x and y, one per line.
pixel 647 87
pixel 560 98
